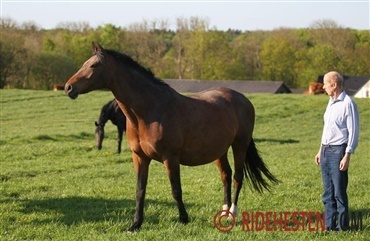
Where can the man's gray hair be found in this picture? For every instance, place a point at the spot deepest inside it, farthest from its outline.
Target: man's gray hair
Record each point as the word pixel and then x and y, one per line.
pixel 335 76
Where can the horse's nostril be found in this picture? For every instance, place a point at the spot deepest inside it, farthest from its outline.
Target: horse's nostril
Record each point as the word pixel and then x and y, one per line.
pixel 70 91
pixel 68 88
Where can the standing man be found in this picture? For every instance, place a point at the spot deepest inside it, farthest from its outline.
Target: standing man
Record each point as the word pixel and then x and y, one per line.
pixel 339 140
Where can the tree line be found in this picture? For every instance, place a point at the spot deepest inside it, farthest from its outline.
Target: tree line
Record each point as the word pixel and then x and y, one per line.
pixel 35 58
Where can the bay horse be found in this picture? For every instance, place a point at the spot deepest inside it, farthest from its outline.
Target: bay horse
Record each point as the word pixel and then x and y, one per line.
pixel 315 88
pixel 110 111
pixel 175 129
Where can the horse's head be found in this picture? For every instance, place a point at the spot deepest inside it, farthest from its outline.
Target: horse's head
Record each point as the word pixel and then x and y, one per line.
pixel 91 76
pixel 99 135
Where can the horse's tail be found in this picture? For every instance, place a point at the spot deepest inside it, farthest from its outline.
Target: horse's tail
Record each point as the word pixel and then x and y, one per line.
pixel 253 169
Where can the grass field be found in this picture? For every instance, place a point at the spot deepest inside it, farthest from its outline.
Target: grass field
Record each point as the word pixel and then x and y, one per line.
pixel 54 185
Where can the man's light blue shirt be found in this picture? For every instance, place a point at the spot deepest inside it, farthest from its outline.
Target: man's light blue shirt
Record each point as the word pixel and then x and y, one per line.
pixel 341 123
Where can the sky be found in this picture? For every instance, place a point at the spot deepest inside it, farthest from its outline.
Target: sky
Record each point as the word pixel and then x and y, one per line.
pixel 221 15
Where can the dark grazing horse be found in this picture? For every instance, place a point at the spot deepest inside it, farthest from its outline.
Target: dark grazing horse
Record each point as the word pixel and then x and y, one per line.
pixel 175 129
pixel 110 111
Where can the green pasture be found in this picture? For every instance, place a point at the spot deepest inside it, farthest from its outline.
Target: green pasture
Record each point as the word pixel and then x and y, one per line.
pixel 54 185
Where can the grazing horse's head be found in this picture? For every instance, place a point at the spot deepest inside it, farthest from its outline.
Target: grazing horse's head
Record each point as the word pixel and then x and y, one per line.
pixel 99 134
pixel 90 77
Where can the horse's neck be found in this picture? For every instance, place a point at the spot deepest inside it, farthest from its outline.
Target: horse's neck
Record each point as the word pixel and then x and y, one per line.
pixel 102 120
pixel 139 97
pixel 104 116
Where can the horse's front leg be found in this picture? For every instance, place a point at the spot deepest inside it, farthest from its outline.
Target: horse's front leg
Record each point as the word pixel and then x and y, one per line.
pixel 173 171
pixel 119 139
pixel 142 170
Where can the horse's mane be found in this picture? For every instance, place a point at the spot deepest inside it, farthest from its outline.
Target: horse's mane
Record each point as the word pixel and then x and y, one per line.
pixel 124 58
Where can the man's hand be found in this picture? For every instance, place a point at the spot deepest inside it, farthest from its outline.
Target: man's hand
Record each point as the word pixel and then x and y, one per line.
pixel 344 163
pixel 317 157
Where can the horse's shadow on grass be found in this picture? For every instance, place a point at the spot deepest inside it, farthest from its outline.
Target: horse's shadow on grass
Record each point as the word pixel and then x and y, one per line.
pixel 58 137
pixel 280 141
pixel 75 210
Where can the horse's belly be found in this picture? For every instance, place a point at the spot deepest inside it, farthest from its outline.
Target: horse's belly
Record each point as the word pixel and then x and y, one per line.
pixel 195 161
pixel 206 144
pixel 201 156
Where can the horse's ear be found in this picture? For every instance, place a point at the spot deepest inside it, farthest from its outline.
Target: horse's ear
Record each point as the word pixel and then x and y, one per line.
pixel 97 48
pixel 96 123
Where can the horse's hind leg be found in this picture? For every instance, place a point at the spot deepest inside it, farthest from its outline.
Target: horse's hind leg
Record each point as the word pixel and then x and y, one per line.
pixel 225 170
pixel 173 172
pixel 240 152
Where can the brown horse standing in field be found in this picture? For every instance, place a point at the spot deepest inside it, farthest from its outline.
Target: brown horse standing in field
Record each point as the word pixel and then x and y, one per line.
pixel 175 129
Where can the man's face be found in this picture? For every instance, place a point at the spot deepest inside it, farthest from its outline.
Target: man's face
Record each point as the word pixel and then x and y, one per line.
pixel 329 86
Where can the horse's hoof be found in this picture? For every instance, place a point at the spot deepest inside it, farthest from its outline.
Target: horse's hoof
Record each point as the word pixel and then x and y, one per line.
pixel 134 227
pixel 184 219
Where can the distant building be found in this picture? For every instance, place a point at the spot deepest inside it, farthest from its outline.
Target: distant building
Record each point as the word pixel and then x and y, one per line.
pixel 364 91
pixel 192 86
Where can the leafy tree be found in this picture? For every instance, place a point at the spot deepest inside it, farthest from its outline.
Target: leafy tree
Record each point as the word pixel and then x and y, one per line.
pixel 218 60
pixel 76 27
pixel 110 36
pixel 29 56
pixel 357 60
pixel 195 48
pixel 247 48
pixel 179 39
pixel 51 68
pixel 278 59
pixel 12 55
pixel 319 60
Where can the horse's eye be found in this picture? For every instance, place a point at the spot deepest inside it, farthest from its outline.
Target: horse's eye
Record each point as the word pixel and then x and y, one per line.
pixel 93 66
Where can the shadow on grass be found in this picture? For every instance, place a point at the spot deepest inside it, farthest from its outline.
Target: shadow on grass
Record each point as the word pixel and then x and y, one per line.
pixel 81 136
pixel 287 141
pixel 74 210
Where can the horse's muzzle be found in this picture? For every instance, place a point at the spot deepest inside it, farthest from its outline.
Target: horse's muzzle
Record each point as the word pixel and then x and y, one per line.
pixel 70 91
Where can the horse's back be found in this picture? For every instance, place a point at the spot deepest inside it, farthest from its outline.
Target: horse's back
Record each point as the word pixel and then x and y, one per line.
pixel 211 121
pixel 225 98
pixel 220 94
pixel 237 104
